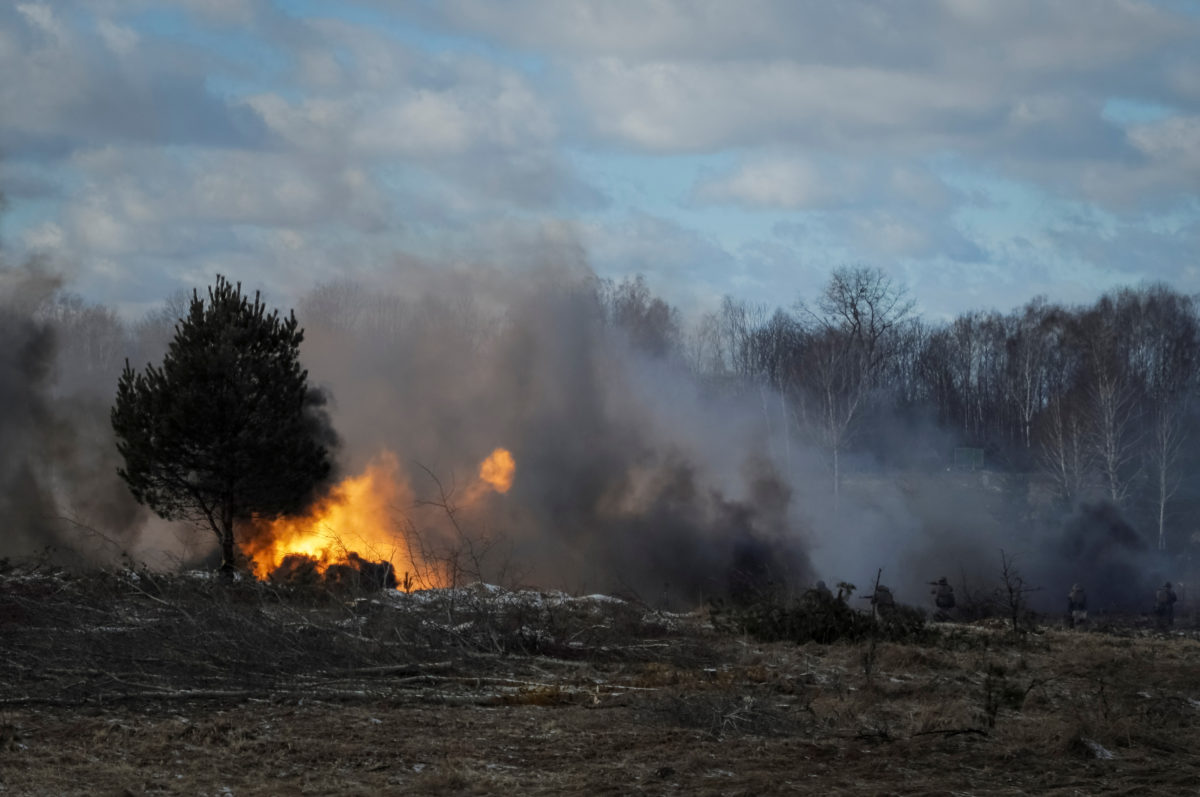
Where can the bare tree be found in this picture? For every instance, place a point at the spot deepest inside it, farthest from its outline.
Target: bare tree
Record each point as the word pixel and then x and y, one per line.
pixel 1114 433
pixel 850 334
pixel 1027 357
pixel 1103 335
pixel 1065 454
pixel 1014 591
pixel 455 553
pixel 834 389
pixel 1167 349
pixel 1168 435
pixel 866 305
pixel 703 348
pixel 651 324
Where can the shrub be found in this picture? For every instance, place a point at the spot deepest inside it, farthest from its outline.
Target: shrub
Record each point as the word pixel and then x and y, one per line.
pixel 814 617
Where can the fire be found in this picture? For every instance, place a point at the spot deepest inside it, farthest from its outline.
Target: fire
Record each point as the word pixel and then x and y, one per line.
pixel 356 525
pixel 356 515
pixel 498 470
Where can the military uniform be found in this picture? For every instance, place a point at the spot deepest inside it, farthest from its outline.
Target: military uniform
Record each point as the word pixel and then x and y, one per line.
pixel 1164 605
pixel 1076 606
pixel 943 598
pixel 883 601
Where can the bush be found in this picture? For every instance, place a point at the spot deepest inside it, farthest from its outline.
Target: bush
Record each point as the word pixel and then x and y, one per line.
pixel 814 617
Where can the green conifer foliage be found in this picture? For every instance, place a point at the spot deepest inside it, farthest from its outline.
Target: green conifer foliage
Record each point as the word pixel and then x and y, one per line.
pixel 226 429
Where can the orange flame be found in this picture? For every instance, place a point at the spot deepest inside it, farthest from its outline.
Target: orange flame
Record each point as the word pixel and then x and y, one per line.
pixel 356 515
pixel 498 470
pixel 359 516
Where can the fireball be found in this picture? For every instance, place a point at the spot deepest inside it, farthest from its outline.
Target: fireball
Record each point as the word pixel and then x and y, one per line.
pixel 498 470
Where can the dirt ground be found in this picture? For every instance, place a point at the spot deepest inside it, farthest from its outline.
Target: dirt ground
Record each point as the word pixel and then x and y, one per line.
pixel 124 685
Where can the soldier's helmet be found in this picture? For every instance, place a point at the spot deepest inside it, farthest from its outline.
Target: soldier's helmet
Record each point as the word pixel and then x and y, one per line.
pixel 942 580
pixel 1167 585
pixel 1076 588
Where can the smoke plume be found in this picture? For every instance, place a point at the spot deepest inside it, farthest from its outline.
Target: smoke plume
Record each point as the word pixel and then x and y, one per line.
pixel 636 472
pixel 59 492
pixel 629 477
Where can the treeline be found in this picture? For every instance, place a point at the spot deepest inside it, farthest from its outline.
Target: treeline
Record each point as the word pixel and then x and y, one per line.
pixel 1097 402
pixel 1093 403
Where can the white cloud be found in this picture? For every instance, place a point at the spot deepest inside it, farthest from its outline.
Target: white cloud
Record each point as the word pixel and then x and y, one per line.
pixel 791 183
pixel 224 12
pixel 46 237
pixel 1175 141
pixel 118 38
pixel 986 37
pixel 477 111
pixel 42 18
pixel 706 106
pixel 306 143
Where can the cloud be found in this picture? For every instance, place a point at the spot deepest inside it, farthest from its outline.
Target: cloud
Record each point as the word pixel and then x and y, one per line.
pixel 118 38
pixel 789 183
pixel 880 210
pixel 1014 85
pixel 62 89
pixel 685 264
pixel 796 182
pixel 1026 34
pixel 1175 141
pixel 165 143
pixel 672 106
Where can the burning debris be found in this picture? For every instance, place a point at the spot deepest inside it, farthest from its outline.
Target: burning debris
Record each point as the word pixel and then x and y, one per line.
pixel 354 574
pixel 360 534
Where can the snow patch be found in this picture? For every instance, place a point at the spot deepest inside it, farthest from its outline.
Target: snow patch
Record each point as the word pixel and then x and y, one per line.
pixel 1098 750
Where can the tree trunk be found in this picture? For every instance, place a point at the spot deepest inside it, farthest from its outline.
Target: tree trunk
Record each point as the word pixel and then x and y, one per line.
pixel 837 482
pixel 1162 516
pixel 227 551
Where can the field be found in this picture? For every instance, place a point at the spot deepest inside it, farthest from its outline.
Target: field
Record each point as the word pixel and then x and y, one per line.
pixel 128 683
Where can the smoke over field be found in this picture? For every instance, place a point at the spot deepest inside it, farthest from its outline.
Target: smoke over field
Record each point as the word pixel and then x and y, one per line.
pixel 660 458
pixel 58 480
pixel 628 474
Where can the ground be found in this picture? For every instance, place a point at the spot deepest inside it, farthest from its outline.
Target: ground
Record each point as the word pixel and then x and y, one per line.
pixel 130 683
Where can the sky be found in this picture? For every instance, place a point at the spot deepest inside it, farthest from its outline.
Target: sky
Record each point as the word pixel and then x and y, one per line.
pixel 981 153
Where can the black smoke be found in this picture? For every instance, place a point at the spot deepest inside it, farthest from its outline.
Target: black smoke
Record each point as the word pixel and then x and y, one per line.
pixel 1100 550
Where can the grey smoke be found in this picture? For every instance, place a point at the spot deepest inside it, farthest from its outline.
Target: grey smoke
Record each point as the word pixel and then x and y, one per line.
pixel 59 493
pixel 633 475
pixel 629 477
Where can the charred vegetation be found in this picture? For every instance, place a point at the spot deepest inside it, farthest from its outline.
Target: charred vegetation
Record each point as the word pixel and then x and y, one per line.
pixel 133 680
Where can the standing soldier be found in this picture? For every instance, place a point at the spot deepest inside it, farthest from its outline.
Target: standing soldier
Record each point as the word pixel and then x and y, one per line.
pixel 943 598
pixel 1164 605
pixel 1076 606
pixel 882 600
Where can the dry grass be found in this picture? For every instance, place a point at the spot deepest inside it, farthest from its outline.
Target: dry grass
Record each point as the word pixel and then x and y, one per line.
pixel 116 685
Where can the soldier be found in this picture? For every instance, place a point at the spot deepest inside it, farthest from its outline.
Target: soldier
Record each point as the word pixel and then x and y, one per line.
pixel 1164 605
pixel 1076 606
pixel 943 594
pixel 883 601
pixel 823 591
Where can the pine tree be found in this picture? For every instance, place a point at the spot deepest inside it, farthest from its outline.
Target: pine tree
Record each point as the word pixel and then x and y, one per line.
pixel 226 429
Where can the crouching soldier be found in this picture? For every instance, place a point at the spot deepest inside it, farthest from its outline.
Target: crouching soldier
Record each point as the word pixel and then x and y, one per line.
pixel 1164 605
pixel 1076 606
pixel 943 598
